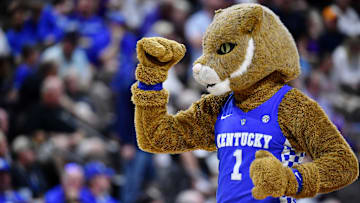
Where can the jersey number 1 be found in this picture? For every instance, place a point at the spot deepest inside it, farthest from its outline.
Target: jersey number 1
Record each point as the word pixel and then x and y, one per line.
pixel 236 175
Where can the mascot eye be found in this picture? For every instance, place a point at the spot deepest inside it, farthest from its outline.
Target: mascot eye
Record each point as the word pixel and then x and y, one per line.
pixel 226 48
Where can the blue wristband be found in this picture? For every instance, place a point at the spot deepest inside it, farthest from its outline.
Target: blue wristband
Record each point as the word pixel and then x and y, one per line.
pixel 156 87
pixel 299 179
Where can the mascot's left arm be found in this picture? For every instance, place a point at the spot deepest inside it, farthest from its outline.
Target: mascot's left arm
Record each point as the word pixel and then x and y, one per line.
pixel 308 129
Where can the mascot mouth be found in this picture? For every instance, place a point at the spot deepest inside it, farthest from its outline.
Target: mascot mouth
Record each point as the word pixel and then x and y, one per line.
pixel 208 77
pixel 154 60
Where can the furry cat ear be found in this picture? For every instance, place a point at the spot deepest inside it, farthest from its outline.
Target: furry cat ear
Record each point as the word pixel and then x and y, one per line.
pixel 251 18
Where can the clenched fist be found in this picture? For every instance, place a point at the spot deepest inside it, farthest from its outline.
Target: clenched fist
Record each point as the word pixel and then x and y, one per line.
pixel 156 56
pixel 270 177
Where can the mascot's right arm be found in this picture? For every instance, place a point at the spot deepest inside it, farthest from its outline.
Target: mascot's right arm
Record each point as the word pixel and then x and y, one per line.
pixel 248 57
pixel 157 131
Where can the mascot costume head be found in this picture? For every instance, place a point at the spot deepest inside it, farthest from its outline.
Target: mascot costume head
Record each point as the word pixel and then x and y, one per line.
pixel 260 126
pixel 244 44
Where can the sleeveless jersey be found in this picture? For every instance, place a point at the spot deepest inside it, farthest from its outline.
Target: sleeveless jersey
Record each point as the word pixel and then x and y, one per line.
pixel 238 135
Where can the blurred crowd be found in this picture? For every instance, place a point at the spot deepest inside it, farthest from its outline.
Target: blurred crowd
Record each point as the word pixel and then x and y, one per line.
pixel 66 120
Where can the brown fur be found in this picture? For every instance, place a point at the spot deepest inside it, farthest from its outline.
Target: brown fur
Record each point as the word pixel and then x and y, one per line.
pixel 275 62
pixel 275 48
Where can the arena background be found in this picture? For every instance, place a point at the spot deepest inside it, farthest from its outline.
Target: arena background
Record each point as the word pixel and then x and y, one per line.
pixel 66 120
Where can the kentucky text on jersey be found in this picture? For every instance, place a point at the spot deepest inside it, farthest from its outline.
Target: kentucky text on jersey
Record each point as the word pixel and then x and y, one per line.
pixel 243 139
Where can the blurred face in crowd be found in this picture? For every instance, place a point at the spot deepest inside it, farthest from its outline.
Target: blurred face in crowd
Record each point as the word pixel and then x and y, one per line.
pixel 5 181
pixel 5 68
pixel 36 11
pixel 313 85
pixel 51 70
pixel 72 181
pixel 3 146
pixel 87 8
pixel 180 12
pixel 326 64
pixel 100 184
pixel 33 58
pixel 18 18
pixel 72 83
pixel 64 6
pixel 213 4
pixel 26 157
pixel 4 121
pixel 52 91
pixel 285 5
pixel 68 49
pixel 331 25
pixel 355 48
pixel 343 4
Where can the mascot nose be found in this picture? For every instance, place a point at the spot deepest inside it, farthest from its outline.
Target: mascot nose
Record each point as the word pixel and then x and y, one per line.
pixel 197 68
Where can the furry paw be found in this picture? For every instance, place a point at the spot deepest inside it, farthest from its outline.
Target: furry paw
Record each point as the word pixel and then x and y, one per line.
pixel 269 176
pixel 156 56
pixel 157 51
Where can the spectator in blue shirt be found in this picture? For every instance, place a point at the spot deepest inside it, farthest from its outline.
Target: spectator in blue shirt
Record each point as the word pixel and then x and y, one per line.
pixel 54 21
pixel 98 178
pixel 137 164
pixel 122 81
pixel 95 35
pixel 21 32
pixel 71 189
pixel 6 192
pixel 29 60
pixel 27 68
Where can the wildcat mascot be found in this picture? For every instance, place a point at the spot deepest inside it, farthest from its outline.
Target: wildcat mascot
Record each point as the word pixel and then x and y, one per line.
pixel 260 126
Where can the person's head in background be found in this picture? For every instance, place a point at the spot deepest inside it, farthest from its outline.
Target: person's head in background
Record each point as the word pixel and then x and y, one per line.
pixel 5 178
pixel 165 29
pixel 18 13
pixel 326 63
pixel 35 8
pixel 6 64
pixel 284 5
pixel 98 178
pixel 52 91
pixel 23 150
pixel 47 69
pixel 30 55
pixel 190 196
pixel 212 5
pixel 353 51
pixel 69 44
pixel 330 19
pixel 343 4
pixel 87 8
pixel 4 150
pixel 72 83
pixel 180 12
pixel 63 6
pixel 4 121
pixel 72 180
pixel 313 85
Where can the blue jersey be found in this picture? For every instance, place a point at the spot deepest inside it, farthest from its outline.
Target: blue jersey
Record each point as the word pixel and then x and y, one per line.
pixel 238 135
